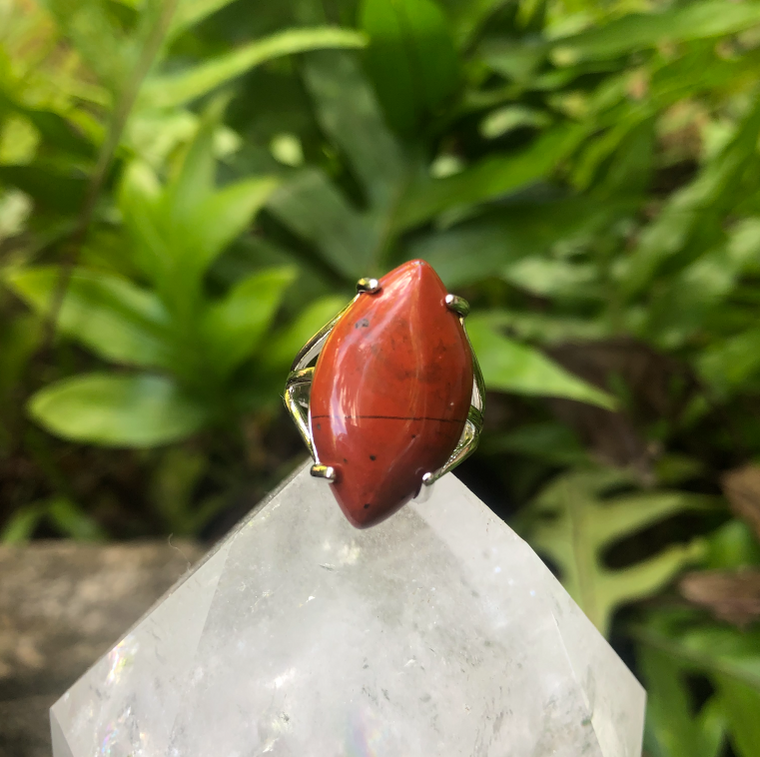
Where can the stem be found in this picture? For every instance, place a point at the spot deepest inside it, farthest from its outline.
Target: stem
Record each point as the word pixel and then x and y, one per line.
pixel 119 119
pixel 583 555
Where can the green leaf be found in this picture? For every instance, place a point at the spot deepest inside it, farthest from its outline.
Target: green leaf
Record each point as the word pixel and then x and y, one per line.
pixel 626 152
pixel 503 120
pixel 191 12
pixel 234 327
pixel 171 90
pixel 549 277
pixel 97 38
pixel 195 179
pixel 110 315
pixel 548 442
pixel 56 130
pixel 733 545
pixel 179 231
pixel 411 58
pixel 198 220
pixel 491 177
pixel 573 522
pixel 729 364
pixel 224 216
pixel 728 656
pixel 314 210
pixel 118 410
pixel 671 728
pixel 484 246
pixel 139 199
pixel 52 189
pixel 706 647
pixel 688 301
pixel 741 705
pixel 21 525
pixel 709 194
pixel 509 366
pixel 173 485
pixel 20 337
pixel 348 113
pixel 477 249
pixel 696 20
pixel 278 351
pixel 517 60
pixel 546 329
pixel 351 241
pixel 71 521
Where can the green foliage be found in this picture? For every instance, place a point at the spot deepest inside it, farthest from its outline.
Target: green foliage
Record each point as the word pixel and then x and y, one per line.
pixel 356 242
pixel 672 729
pixel 697 20
pixel 107 313
pixel 170 90
pixel 173 484
pixel 189 189
pixel 509 366
pixel 121 411
pixel 674 645
pixel 575 520
pixel 177 231
pixel 63 514
pixel 411 59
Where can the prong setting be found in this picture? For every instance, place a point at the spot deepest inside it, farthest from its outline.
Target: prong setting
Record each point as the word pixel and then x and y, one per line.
pixel 368 286
pixel 298 387
pixel 458 304
pixel 327 472
pixel 298 390
pixel 468 442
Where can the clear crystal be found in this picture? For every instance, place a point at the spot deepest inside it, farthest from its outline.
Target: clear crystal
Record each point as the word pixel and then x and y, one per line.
pixel 437 632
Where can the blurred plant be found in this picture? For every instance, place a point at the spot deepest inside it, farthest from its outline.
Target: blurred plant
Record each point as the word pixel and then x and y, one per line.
pixel 584 173
pixel 354 242
pixel 170 327
pixel 583 514
pixel 145 299
pixel 90 92
pixel 703 677
pixel 674 646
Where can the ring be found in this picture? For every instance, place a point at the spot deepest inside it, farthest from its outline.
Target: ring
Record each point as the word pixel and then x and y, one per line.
pixel 388 396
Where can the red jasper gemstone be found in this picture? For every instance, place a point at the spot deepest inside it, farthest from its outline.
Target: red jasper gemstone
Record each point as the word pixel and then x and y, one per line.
pixel 390 393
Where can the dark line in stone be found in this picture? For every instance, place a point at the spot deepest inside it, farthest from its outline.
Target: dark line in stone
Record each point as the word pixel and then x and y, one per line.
pixel 394 418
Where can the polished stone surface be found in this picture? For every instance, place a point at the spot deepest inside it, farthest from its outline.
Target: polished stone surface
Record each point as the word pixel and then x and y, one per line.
pixel 438 632
pixel 391 392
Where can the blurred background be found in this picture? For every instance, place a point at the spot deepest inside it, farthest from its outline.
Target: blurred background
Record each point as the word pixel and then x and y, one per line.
pixel 190 188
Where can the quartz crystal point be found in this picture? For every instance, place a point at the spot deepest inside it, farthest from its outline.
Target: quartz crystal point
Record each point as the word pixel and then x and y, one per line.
pixel 437 633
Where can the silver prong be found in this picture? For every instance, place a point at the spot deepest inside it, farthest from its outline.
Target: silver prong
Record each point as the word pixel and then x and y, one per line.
pixel 458 304
pixel 426 490
pixel 323 471
pixel 313 347
pixel 297 391
pixel 368 286
pixel 304 376
pixel 468 441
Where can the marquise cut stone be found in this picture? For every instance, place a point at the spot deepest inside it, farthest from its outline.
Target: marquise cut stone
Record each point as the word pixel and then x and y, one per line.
pixel 391 391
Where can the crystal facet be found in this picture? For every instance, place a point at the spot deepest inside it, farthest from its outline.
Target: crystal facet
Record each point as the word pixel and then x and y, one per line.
pixel 439 632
